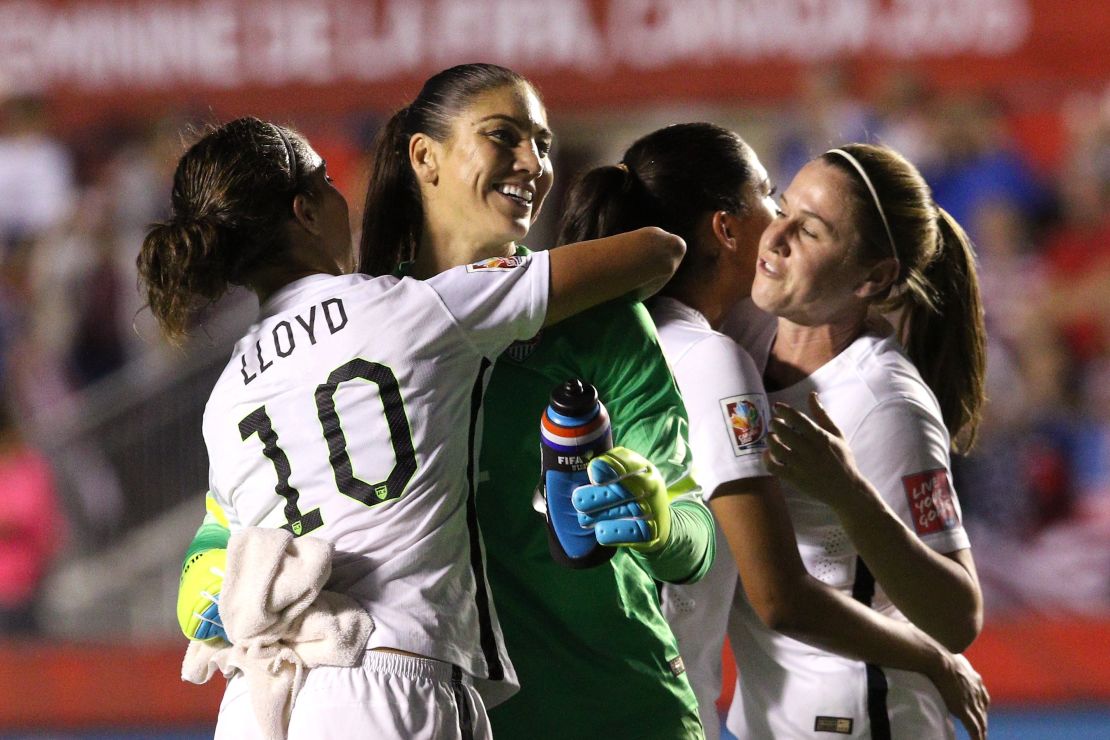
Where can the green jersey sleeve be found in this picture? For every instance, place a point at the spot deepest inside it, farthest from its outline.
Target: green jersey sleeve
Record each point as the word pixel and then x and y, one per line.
pixel 620 354
pixel 213 532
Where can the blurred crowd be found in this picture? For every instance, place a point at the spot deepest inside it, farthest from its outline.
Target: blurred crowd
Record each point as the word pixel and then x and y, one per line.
pixel 1033 190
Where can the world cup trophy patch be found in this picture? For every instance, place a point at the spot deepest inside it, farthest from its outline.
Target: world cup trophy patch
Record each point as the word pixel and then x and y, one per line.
pixel 746 422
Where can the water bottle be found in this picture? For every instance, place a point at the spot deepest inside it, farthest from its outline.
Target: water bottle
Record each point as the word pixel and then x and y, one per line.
pixel 574 429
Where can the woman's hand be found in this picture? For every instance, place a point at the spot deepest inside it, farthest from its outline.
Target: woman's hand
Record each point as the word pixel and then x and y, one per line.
pixel 964 694
pixel 810 454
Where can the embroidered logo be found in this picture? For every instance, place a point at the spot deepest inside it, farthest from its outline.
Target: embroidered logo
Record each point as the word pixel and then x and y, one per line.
pixel 498 264
pixel 522 350
pixel 746 419
pixel 677 666
pixel 930 498
pixel 839 725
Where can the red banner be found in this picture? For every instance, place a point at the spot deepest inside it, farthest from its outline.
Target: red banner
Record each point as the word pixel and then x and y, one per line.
pixel 98 57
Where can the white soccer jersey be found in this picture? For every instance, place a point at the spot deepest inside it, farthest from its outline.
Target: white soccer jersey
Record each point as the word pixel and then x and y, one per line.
pixel 892 422
pixel 351 411
pixel 728 414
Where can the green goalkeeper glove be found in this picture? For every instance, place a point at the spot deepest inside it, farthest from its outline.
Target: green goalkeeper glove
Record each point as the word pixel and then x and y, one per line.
pixel 198 595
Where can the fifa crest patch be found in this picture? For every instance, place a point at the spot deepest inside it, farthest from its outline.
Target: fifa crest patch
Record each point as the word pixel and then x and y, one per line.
pixel 498 264
pixel 930 498
pixel 746 421
pixel 523 349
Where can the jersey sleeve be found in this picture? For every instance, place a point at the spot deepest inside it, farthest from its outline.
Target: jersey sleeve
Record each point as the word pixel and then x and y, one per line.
pixel 213 531
pixel 728 411
pixel 912 470
pixel 497 301
pixel 636 385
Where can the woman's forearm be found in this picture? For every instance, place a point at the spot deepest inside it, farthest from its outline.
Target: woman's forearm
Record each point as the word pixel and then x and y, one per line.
pixel 938 593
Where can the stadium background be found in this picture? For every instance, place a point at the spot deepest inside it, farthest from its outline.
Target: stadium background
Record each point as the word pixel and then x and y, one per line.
pixel 1005 104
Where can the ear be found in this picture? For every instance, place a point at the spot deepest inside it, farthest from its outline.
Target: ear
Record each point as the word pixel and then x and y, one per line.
pixel 878 278
pixel 305 213
pixel 725 229
pixel 424 157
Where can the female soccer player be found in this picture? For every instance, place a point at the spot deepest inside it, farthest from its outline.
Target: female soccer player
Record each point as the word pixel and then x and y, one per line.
pixel 350 412
pixel 459 175
pixel 858 232
pixel 705 183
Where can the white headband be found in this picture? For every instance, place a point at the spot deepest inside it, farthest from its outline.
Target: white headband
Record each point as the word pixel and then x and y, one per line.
pixel 874 196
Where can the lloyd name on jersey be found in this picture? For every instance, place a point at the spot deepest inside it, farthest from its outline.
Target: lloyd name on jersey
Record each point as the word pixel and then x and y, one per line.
pixel 283 338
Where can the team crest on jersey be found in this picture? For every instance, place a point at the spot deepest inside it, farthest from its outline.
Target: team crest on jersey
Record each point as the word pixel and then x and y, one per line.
pixel 930 498
pixel 498 264
pixel 522 350
pixel 746 418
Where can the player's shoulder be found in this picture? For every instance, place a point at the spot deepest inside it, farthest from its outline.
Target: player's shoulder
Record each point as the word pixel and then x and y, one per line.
pixel 881 364
pixel 618 327
pixel 688 338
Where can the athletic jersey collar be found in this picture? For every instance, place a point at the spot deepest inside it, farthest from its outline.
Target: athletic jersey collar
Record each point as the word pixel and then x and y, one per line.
pixel 289 294
pixel 675 307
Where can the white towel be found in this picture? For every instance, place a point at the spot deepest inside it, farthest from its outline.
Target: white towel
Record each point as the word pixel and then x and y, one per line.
pixel 280 621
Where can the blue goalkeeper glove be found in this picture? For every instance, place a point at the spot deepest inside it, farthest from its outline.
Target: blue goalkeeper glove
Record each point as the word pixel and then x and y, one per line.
pixel 626 503
pixel 198 595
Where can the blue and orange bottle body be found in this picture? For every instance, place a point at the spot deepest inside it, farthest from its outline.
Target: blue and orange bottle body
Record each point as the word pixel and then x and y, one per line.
pixel 574 429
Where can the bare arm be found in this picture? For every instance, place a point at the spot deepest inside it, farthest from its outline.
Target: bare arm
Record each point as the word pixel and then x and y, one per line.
pixel 587 274
pixel 757 527
pixel 939 593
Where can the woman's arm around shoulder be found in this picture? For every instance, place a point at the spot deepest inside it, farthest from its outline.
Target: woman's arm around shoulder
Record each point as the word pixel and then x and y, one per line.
pixel 586 274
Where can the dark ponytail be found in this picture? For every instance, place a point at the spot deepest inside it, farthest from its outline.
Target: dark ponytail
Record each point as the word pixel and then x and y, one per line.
pixel 232 193
pixel 670 178
pixel 604 201
pixel 392 219
pixel 393 214
pixel 936 292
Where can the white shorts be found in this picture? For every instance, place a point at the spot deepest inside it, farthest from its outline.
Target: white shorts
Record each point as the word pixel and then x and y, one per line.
pixel 387 697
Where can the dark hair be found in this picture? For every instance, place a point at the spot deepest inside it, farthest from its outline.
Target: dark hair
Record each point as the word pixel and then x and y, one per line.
pixel 670 179
pixel 232 191
pixel 936 291
pixel 393 215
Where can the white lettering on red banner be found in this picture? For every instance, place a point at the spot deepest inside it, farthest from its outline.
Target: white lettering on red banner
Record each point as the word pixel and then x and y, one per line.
pixel 930 498
pixel 94 45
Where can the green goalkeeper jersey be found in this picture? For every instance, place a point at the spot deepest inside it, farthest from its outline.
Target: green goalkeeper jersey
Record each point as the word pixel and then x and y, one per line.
pixel 594 655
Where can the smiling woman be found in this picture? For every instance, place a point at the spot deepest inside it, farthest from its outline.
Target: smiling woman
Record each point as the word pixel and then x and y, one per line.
pixel 474 141
pixel 349 412
pixel 460 175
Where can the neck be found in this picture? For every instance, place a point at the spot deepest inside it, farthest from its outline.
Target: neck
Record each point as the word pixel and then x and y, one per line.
pixel 709 303
pixel 442 249
pixel 270 278
pixel 799 351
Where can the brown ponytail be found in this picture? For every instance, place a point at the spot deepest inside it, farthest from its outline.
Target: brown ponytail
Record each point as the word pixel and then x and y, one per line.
pixel 937 288
pixel 232 193
pixel 947 340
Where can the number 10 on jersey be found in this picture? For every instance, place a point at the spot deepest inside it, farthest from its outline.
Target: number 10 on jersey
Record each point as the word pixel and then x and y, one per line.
pixel 393 405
